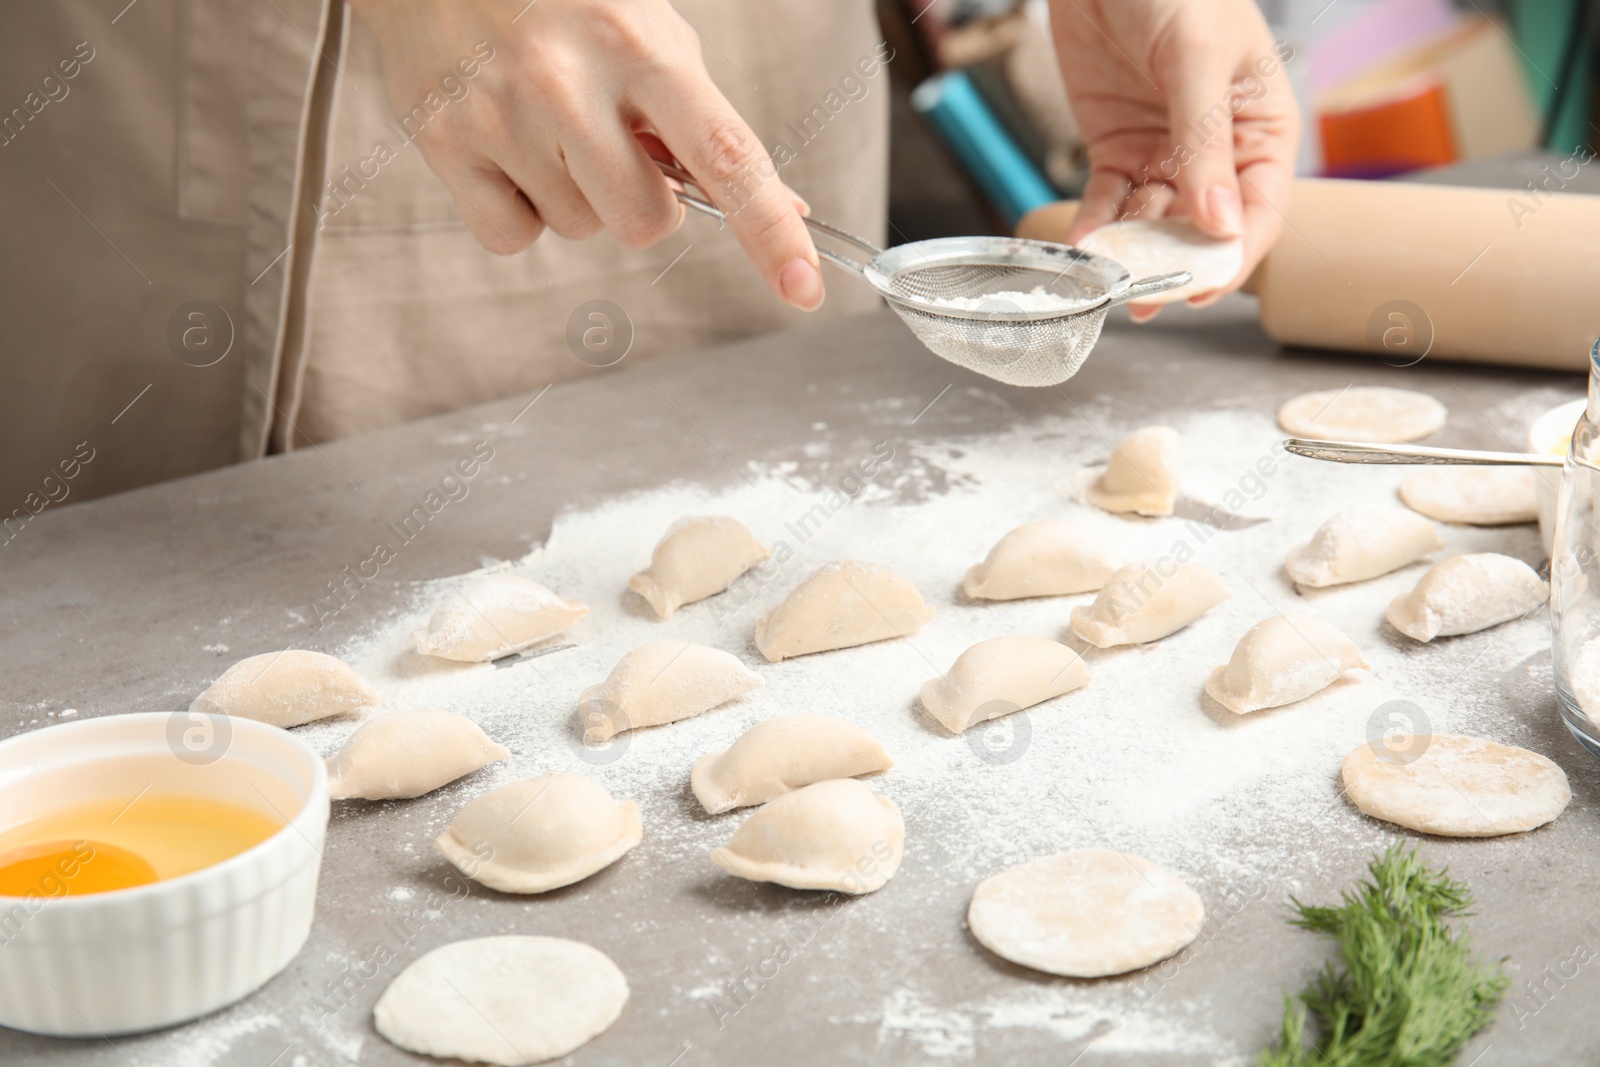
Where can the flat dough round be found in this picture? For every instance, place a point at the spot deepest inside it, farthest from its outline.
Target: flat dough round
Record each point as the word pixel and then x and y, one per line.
pixel 1455 786
pixel 510 1000
pixel 1374 413
pixel 1475 496
pixel 1087 913
pixel 1161 246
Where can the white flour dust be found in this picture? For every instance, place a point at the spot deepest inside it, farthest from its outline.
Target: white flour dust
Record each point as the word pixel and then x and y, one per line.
pixel 1138 760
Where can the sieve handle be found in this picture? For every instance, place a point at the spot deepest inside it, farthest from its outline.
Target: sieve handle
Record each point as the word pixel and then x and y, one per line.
pixel 700 203
pixel 1150 286
pixel 1362 452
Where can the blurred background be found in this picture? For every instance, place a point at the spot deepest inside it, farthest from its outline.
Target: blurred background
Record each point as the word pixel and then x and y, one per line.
pixel 1460 92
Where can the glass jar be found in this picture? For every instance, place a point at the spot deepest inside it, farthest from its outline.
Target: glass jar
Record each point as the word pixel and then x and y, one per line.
pixel 1575 575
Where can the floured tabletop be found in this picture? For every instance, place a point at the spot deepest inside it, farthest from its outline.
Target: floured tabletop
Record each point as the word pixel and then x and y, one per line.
pixel 845 441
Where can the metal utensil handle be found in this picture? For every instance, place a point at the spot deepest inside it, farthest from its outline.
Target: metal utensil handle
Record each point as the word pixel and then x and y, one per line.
pixel 700 203
pixel 1361 452
pixel 1150 286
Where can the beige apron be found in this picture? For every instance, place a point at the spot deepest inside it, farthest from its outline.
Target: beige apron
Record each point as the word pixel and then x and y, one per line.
pixel 205 154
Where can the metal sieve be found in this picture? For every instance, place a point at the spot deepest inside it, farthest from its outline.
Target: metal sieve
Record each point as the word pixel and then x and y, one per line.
pixel 997 337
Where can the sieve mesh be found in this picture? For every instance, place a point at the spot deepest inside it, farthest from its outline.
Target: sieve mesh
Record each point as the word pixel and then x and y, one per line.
pixel 1038 348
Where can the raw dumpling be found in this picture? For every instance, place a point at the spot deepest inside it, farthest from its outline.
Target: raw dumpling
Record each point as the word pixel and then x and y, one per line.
pixel 1161 246
pixel 778 756
pixel 540 833
pixel 836 835
pixel 1373 413
pixel 844 604
pixel 1087 913
pixel 1465 594
pixel 1455 786
pixel 1143 474
pixel 510 1000
pixel 287 688
pixel 495 616
pixel 1362 542
pixel 1052 557
pixel 408 753
pixel 662 682
pixel 1281 660
pixel 1475 496
pixel 1138 604
pixel 1002 675
pixel 698 557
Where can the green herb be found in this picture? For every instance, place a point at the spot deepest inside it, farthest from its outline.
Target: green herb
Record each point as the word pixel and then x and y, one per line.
pixel 1407 991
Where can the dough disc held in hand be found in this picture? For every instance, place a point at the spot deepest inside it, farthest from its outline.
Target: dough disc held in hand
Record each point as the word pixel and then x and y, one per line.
pixel 1087 913
pixel 1473 496
pixel 1454 786
pixel 510 1000
pixel 1372 413
pixel 288 688
pixel 1162 246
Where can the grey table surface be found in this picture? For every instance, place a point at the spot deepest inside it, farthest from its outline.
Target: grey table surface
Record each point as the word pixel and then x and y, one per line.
pixel 107 607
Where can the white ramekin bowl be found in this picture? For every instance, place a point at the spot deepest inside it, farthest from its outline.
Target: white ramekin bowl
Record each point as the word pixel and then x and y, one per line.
pixel 160 954
pixel 1546 435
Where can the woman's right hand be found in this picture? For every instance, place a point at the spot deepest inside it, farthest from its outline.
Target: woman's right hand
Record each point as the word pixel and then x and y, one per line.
pixel 563 120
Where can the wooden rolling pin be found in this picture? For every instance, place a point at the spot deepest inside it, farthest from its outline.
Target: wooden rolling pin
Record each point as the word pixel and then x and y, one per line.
pixel 1404 269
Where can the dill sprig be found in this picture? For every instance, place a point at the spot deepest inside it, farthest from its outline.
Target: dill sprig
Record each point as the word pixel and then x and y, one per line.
pixel 1407 989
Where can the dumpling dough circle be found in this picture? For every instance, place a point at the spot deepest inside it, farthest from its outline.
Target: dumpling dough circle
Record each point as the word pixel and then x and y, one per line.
pixel 1375 413
pixel 1465 594
pixel 1362 542
pixel 782 754
pixel 1281 660
pixel 698 556
pixel 540 833
pixel 661 682
pixel 1139 604
pixel 1051 557
pixel 842 605
pixel 1474 496
pixel 837 835
pixel 405 754
pixel 1143 474
pixel 495 615
pixel 288 688
pixel 1000 676
pixel 509 1000
pixel 1173 243
pixel 1457 786
pixel 1086 913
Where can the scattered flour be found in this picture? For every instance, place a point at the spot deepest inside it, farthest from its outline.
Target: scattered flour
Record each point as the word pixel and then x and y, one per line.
pixel 1137 760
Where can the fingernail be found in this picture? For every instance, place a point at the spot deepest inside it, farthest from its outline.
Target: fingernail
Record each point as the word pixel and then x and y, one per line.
pixel 801 284
pixel 1223 206
pixel 1143 312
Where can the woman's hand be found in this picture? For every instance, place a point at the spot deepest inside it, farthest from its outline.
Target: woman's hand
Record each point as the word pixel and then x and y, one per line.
pixel 561 125
pixel 1185 110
